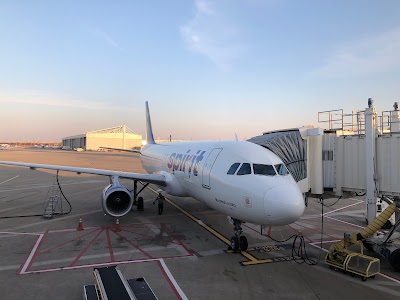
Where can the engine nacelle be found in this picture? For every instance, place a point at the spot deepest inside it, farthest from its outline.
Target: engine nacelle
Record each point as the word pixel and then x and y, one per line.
pixel 117 200
pixel 173 186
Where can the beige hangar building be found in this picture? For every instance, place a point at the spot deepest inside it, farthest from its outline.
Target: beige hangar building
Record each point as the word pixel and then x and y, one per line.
pixel 115 137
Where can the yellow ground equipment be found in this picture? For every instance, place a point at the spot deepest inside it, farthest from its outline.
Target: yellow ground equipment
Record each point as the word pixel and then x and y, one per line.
pixel 339 257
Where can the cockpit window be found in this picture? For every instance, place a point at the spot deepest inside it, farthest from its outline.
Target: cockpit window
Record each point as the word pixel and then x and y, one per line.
pixel 281 169
pixel 264 170
pixel 245 169
pixel 233 169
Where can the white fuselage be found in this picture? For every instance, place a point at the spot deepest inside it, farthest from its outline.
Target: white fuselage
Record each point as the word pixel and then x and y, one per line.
pixel 200 170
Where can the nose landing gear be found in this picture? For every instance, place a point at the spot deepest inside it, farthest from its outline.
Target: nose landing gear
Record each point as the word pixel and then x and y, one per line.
pixel 238 241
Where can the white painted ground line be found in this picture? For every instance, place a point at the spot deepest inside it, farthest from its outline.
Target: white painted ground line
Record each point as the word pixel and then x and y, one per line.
pixel 23 270
pixel 19 233
pixel 381 274
pixel 167 271
pixel 9 179
pixel 332 211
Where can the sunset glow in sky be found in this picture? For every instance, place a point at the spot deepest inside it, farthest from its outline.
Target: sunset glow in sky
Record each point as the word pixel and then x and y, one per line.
pixel 208 68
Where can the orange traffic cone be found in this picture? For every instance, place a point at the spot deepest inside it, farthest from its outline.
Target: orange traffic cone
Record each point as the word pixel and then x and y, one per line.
pixel 80 226
pixel 117 226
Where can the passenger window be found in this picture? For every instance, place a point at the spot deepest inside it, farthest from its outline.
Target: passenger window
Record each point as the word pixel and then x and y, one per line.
pixel 233 169
pixel 281 169
pixel 245 169
pixel 264 170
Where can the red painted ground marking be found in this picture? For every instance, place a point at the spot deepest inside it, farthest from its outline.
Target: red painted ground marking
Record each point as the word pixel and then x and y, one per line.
pixel 87 247
pixel 141 250
pixel 295 230
pixel 149 236
pixel 390 277
pixel 109 245
pixel 320 232
pixel 37 251
pixel 325 227
pixel 62 244
pixel 174 256
pixel 169 281
pixel 269 231
pixel 90 266
pixel 150 225
pixel 175 239
pixel 27 256
pixel 139 225
pixel 62 231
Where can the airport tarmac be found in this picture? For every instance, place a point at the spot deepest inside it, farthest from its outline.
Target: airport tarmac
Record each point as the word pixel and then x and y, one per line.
pixel 182 253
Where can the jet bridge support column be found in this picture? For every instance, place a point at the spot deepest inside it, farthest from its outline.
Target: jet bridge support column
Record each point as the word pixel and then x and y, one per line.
pixel 395 119
pixel 370 137
pixel 397 213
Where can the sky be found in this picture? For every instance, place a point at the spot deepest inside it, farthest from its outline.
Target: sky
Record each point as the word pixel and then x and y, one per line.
pixel 209 69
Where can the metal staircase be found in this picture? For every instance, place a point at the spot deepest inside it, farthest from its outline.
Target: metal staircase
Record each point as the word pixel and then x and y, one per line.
pixel 52 204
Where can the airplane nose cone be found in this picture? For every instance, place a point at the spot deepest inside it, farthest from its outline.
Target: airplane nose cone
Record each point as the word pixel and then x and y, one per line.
pixel 284 204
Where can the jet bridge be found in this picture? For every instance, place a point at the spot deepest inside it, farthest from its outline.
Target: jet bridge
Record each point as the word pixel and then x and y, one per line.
pixel 355 153
pixel 300 150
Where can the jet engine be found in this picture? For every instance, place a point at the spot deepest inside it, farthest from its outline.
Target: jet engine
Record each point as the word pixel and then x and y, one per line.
pixel 116 200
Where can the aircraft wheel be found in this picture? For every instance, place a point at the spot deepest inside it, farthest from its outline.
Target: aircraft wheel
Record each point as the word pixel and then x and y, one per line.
pixel 394 259
pixel 235 243
pixel 243 243
pixel 140 204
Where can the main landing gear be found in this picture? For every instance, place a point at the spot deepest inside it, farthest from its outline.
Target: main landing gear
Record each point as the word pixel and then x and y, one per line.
pixel 138 201
pixel 238 241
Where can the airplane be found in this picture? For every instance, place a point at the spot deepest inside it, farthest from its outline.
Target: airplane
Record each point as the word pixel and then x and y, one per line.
pixel 245 181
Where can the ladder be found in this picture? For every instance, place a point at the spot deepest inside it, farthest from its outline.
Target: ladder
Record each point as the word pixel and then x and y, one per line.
pixel 52 202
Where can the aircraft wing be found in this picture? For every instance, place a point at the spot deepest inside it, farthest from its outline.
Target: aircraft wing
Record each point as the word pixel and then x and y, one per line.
pixel 120 149
pixel 150 178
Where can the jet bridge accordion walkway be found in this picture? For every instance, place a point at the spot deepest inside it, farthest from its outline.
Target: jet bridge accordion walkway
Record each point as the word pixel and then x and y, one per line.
pixel 112 285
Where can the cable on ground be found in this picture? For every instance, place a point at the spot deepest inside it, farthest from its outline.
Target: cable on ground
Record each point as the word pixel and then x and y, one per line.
pixel 37 215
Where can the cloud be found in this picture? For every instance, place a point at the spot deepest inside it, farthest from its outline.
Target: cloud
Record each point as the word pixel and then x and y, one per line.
pixel 379 53
pixel 204 6
pixel 44 98
pixel 211 34
pixel 107 38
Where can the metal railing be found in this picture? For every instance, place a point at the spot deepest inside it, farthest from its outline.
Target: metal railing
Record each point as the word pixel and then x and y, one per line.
pixel 388 122
pixel 337 120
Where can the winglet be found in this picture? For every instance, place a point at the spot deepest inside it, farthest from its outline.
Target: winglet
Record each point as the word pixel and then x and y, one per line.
pixel 149 137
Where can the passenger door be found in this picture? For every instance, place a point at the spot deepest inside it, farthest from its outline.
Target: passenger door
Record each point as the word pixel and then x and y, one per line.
pixel 208 166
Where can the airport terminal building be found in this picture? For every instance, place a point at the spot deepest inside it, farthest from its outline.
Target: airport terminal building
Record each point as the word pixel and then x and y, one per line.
pixel 115 137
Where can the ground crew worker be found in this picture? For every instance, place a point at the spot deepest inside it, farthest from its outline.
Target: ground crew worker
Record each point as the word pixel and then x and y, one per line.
pixel 160 200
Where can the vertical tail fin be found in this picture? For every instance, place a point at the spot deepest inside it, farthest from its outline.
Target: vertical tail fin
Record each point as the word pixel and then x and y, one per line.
pixel 149 133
